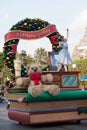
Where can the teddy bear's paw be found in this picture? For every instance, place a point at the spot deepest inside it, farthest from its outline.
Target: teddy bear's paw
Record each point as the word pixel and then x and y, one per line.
pixel 43 78
pixel 49 78
pixel 35 91
pixel 54 90
pixel 22 82
pixel 19 81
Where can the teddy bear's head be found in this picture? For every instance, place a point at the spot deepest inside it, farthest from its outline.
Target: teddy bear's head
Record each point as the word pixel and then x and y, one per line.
pixel 34 68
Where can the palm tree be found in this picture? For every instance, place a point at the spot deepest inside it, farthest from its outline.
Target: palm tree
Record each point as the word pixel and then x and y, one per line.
pixel 41 56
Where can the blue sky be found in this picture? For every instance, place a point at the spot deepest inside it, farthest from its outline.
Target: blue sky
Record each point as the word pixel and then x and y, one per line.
pixel 64 14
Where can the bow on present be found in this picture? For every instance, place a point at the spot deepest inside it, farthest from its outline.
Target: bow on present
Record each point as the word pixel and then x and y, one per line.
pixel 36 78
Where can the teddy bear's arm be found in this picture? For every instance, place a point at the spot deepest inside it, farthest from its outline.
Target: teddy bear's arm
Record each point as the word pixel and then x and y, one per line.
pixel 43 78
pixel 47 78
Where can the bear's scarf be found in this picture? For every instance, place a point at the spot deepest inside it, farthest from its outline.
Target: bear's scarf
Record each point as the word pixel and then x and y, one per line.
pixel 36 78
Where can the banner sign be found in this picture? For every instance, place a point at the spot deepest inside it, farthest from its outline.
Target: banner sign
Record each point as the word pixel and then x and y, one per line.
pixel 31 35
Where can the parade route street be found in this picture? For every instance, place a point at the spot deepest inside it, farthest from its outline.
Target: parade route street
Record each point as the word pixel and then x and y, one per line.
pixel 7 124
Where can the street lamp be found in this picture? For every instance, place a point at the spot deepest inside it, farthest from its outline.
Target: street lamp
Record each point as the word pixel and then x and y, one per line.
pixel 74 67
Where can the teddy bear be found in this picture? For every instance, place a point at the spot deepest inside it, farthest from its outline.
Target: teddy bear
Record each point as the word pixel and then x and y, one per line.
pixel 37 82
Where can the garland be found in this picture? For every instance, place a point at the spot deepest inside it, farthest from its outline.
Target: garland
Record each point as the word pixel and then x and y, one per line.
pixel 29 25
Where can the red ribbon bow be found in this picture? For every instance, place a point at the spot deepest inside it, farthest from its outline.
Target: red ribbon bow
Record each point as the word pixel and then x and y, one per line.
pixel 35 77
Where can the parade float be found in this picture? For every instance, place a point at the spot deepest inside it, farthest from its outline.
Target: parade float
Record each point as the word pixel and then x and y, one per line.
pixel 69 104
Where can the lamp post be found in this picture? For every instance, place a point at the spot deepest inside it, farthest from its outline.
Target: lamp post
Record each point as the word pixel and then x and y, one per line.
pixel 74 67
pixel 23 55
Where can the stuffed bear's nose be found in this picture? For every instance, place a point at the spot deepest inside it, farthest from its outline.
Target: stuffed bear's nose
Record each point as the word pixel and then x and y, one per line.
pixel 35 70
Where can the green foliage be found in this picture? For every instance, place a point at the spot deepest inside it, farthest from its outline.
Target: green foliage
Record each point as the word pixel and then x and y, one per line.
pixel 81 66
pixel 41 56
pixel 1 61
pixel 26 59
pixel 30 59
pixel 7 73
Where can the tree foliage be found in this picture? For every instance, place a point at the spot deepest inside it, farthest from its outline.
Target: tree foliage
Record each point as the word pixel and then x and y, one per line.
pixel 41 56
pixel 1 61
pixel 30 59
pixel 81 66
pixel 26 59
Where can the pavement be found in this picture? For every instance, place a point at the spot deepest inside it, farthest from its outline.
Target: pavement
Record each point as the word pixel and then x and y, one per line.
pixel 7 124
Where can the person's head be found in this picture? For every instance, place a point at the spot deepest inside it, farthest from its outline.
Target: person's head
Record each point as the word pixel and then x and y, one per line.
pixel 62 38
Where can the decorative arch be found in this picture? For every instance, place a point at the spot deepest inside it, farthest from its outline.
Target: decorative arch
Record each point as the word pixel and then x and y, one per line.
pixel 28 29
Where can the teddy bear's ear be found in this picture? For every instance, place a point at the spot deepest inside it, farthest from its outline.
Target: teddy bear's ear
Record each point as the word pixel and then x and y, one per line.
pixel 39 65
pixel 27 67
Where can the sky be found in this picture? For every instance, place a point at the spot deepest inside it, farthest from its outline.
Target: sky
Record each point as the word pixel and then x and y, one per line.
pixel 71 14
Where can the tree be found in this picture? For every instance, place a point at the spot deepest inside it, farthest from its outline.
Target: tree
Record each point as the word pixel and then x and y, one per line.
pixel 26 59
pixel 30 59
pixel 41 56
pixel 81 65
pixel 1 61
pixel 23 56
pixel 7 73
